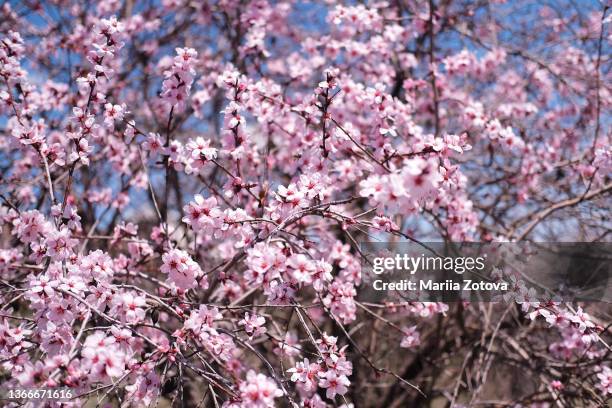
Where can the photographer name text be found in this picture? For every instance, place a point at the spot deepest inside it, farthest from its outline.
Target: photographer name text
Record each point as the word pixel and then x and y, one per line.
pixel 431 285
pixel 410 265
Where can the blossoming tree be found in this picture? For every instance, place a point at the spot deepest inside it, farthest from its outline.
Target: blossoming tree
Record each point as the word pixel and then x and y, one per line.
pixel 184 186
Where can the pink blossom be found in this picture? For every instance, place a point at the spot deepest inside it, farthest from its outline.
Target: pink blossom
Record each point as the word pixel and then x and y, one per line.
pixel 259 391
pixel 605 378
pixel 253 324
pixel 411 337
pixel 334 384
pixel 305 372
pixel 203 215
pixel 182 270
pixel 179 77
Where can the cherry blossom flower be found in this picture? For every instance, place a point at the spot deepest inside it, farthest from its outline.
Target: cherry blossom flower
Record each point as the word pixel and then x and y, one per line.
pixel 182 270
pixel 259 391
pixel 203 215
pixel 179 78
pixel 411 337
pixel 253 325
pixel 605 378
pixel 334 384
pixel 305 372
